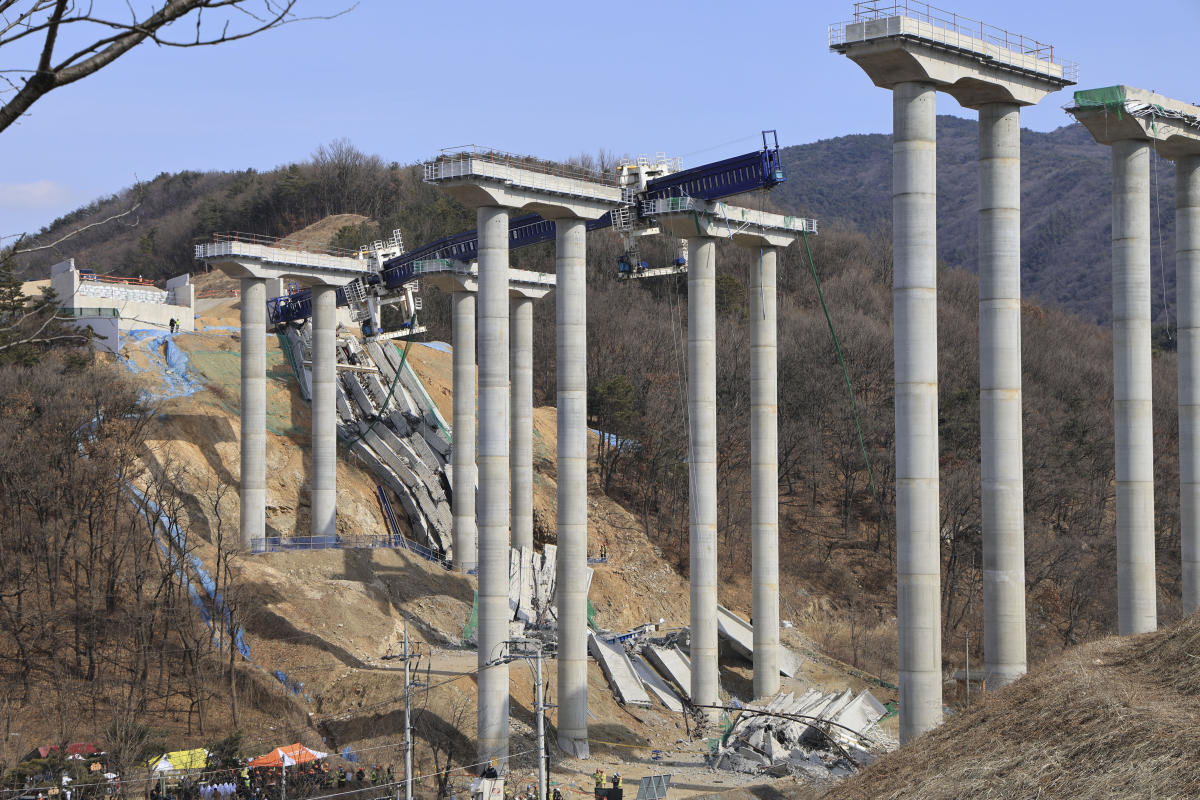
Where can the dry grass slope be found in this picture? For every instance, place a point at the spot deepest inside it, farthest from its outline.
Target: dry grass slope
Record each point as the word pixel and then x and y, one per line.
pixel 1114 718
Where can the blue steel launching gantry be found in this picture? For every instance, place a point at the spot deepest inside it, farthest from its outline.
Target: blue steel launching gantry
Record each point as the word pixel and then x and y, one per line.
pixel 394 274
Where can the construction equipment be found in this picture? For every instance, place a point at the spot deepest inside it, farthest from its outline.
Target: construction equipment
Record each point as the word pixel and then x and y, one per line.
pixel 364 296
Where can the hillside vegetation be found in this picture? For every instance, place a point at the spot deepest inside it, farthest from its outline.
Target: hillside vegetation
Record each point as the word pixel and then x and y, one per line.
pixel 1114 718
pixel 1066 190
pixel 837 525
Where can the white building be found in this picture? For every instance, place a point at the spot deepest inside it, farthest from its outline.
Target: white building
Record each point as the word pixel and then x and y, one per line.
pixel 111 306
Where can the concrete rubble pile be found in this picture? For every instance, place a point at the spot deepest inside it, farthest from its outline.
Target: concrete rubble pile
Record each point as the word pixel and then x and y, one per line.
pixel 816 735
pixel 640 665
pixel 392 425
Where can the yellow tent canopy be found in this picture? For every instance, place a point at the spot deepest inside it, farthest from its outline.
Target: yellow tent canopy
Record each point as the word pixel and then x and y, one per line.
pixel 179 760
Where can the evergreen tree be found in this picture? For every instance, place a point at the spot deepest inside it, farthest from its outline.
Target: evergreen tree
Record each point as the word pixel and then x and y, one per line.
pixel 31 325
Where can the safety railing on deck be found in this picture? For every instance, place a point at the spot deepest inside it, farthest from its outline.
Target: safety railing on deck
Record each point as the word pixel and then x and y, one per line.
pixel 449 165
pixel 955 30
pixel 91 276
pixel 284 244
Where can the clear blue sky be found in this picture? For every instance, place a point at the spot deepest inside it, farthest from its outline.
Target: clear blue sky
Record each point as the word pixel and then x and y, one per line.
pixel 554 79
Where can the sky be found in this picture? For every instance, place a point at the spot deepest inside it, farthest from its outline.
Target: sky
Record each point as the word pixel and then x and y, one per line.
pixel 556 79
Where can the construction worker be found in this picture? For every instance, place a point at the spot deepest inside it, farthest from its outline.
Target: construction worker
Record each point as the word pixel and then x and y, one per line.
pixel 616 780
pixel 598 777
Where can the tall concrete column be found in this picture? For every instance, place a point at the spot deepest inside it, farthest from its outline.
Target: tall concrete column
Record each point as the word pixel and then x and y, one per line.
pixel 1187 295
pixel 1001 451
pixel 914 298
pixel 702 467
pixel 324 411
pixel 1136 611
pixel 571 303
pixel 254 411
pixel 764 475
pixel 462 454
pixel 492 512
pixel 521 359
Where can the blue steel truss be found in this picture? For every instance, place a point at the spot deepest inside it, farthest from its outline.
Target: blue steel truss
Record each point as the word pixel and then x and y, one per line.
pixel 761 169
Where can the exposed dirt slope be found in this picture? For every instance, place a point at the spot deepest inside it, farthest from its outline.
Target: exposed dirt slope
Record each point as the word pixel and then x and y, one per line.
pixel 331 619
pixel 1114 718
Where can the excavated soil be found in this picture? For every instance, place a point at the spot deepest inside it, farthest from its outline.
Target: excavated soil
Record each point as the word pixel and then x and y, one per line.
pixel 332 621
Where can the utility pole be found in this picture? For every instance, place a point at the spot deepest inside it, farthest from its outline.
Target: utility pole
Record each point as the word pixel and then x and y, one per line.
pixel 540 706
pixel 408 786
pixel 541 729
pixel 968 681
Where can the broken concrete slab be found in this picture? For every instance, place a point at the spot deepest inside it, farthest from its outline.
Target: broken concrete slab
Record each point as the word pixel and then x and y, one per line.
pixel 615 664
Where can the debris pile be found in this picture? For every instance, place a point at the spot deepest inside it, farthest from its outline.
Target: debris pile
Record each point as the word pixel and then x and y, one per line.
pixel 386 417
pixel 817 735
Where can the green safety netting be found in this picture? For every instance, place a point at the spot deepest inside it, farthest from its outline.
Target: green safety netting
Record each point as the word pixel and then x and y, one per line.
pixel 472 623
pixel 1110 97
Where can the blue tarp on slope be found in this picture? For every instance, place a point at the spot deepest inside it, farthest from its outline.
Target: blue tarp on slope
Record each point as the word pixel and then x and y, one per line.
pixel 165 359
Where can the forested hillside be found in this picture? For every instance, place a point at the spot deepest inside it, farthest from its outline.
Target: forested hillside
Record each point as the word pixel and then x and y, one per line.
pixel 836 523
pixel 1065 197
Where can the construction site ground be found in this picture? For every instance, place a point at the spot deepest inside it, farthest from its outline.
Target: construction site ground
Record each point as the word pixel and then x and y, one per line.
pixel 332 621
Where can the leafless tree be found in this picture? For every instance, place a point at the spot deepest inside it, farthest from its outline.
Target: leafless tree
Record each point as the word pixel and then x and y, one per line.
pixel 73 39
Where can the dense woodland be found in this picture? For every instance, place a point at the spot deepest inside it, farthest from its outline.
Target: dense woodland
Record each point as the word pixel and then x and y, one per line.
pixel 837 526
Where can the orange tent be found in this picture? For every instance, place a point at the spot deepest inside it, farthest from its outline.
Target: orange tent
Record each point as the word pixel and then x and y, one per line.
pixel 287 756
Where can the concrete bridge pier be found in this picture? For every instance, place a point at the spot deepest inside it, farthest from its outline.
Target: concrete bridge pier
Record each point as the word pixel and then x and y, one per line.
pixel 702 468
pixel 462 454
pixel 1187 297
pixel 1136 590
pixel 253 486
pixel 1001 445
pixel 493 185
pixel 521 412
pixel 1132 121
pixel 764 473
pixel 571 324
pixel 914 295
pixel 493 508
pixel 324 411
pixel 900 52
pixel 703 223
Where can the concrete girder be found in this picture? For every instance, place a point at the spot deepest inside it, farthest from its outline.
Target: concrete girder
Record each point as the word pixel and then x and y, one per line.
pixel 967 71
pixel 462 277
pixel 687 217
pixel 556 192
pixel 1173 138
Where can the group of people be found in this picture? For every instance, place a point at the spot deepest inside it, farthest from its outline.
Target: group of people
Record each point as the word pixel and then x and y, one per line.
pixel 612 791
pixel 173 325
pixel 268 783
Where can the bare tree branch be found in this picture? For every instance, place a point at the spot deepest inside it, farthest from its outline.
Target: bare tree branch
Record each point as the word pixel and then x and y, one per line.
pixel 20 19
pixel 55 243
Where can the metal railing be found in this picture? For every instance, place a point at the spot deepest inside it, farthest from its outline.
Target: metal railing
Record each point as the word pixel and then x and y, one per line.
pixel 452 155
pixel 92 276
pixel 89 312
pixel 284 244
pixel 279 255
pixel 720 212
pixel 960 32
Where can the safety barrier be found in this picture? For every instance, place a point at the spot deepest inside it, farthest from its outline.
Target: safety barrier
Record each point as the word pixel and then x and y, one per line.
pixel 953 30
